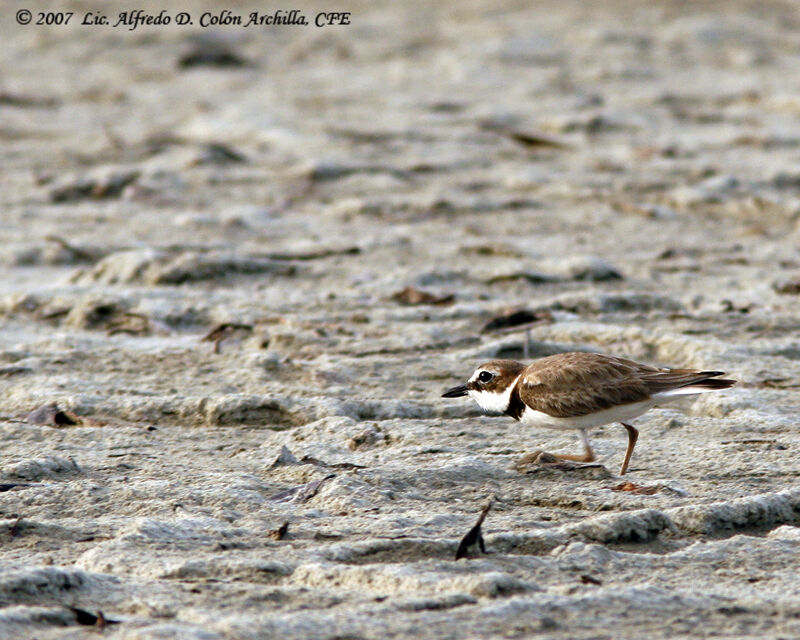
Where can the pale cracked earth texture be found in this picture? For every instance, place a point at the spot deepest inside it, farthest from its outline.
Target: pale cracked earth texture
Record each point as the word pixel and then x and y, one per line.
pixel 631 168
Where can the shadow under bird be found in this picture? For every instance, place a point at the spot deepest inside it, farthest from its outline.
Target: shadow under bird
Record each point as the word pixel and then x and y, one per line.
pixel 580 391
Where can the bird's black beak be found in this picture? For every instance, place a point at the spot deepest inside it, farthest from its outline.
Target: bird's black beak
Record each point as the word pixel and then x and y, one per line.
pixel 456 392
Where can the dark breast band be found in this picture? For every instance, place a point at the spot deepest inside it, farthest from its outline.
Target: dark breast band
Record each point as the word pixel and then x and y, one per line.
pixel 515 404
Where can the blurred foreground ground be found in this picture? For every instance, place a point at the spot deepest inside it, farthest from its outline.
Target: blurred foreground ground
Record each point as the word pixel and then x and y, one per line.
pixel 628 171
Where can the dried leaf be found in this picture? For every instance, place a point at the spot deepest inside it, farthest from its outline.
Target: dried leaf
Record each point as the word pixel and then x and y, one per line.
pixel 535 140
pixel 789 287
pixel 534 277
pixel 135 324
pixel 284 457
pixel 10 485
pixel 280 532
pixel 210 52
pixel 335 465
pixel 50 414
pixel 301 493
pixel 12 370
pixel 505 251
pixel 637 489
pixel 89 619
pixel 518 318
pixel 26 101
pixel 110 186
pixel 728 306
pixel 219 154
pixel 778 383
pixel 315 254
pixel 412 296
pixel 525 138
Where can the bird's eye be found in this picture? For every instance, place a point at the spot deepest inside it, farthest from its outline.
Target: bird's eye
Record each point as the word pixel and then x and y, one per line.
pixel 485 376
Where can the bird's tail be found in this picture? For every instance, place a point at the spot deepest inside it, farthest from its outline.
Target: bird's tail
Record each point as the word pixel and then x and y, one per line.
pixel 687 382
pixel 713 384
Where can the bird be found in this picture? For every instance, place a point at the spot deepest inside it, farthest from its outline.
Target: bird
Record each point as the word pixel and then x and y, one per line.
pixel 579 390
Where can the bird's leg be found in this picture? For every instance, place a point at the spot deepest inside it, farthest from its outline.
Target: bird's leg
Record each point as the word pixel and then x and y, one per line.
pixel 588 455
pixel 633 436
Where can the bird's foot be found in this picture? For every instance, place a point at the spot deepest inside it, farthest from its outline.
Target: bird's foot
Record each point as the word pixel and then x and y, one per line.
pixel 533 458
pixel 542 459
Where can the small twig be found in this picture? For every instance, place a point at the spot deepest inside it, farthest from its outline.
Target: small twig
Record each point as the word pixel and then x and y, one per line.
pixel 474 535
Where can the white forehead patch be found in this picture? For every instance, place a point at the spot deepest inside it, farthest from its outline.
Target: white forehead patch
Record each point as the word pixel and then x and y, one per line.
pixel 475 375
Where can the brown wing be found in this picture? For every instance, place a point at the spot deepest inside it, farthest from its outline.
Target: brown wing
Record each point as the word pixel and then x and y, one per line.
pixel 576 384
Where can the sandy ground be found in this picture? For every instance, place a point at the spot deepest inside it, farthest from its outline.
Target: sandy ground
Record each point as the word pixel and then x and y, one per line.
pixel 628 171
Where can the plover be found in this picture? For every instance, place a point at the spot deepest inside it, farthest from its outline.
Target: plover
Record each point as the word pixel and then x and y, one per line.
pixel 581 391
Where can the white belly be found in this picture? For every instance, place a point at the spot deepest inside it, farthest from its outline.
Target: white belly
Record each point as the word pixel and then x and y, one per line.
pixel 531 418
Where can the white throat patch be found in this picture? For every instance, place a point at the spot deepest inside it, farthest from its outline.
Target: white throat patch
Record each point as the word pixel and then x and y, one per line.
pixel 493 402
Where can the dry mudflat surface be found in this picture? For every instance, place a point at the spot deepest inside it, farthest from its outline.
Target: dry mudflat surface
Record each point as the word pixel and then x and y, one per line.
pixel 245 263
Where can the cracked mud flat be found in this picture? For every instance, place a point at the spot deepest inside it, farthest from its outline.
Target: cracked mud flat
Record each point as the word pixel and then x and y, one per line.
pixel 630 173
